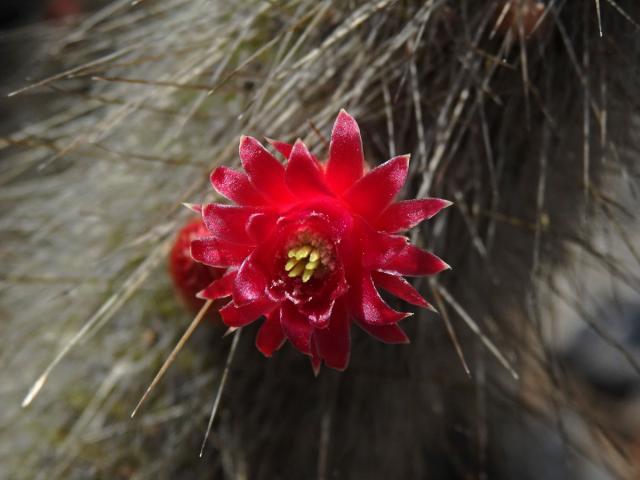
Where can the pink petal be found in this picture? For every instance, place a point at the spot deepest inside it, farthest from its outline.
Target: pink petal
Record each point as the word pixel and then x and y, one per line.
pixel 265 172
pixel 414 261
pixel 236 187
pixel 402 216
pixel 334 342
pixel 219 253
pixel 399 287
pixel 375 191
pixel 250 282
pixel 283 148
pixel 234 316
pixel 228 222
pixel 346 161
pixel 219 288
pixel 385 333
pixel 296 327
pixel 270 336
pixel 304 174
pixel 367 305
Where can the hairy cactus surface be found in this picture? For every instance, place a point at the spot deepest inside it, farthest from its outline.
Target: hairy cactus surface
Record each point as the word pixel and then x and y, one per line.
pixel 521 112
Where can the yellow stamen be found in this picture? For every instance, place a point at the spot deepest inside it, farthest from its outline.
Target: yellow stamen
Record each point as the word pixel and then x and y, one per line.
pixel 303 252
pixel 311 265
pixel 303 261
pixel 290 264
pixel 297 270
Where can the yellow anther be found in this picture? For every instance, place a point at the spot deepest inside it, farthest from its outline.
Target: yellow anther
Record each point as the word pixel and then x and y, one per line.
pixel 303 252
pixel 290 264
pixel 303 261
pixel 306 275
pixel 311 265
pixel 297 270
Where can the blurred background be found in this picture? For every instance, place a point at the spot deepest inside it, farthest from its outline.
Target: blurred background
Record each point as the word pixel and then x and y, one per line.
pixel 523 112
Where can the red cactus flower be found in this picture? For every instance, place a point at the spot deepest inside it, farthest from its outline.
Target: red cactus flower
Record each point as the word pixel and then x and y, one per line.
pixel 190 277
pixel 308 245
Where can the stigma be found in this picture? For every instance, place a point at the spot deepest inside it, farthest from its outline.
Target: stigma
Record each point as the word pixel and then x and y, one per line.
pixel 303 261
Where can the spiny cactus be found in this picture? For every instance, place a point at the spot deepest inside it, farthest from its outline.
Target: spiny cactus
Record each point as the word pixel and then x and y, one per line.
pixel 522 112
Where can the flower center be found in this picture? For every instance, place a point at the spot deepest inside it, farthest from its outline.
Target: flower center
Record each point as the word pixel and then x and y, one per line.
pixel 308 256
pixel 303 261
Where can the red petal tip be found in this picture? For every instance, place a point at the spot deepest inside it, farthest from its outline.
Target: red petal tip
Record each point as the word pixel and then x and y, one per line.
pixel 344 113
pixel 316 368
pixel 229 331
pixel 242 142
pixel 193 207
pixel 282 147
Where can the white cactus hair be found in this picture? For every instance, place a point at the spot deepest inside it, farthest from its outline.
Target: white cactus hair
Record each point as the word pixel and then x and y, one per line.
pixel 529 130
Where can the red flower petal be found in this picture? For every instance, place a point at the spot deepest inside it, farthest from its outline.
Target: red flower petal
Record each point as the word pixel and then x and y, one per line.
pixel 236 187
pixel 318 308
pixel 270 336
pixel 234 316
pixel 250 283
pixel 402 216
pixel 375 191
pixel 228 222
pixel 283 148
pixel 316 361
pixel 220 288
pixel 399 287
pixel 265 172
pixel 304 174
pixel 216 252
pixel 379 248
pixel 189 277
pixel 319 313
pixel 368 306
pixel 260 225
pixel 346 161
pixel 414 261
pixel 296 327
pixel 334 342
pixel 194 207
pixel 385 333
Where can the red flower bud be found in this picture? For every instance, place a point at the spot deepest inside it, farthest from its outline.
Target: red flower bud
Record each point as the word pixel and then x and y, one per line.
pixel 189 277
